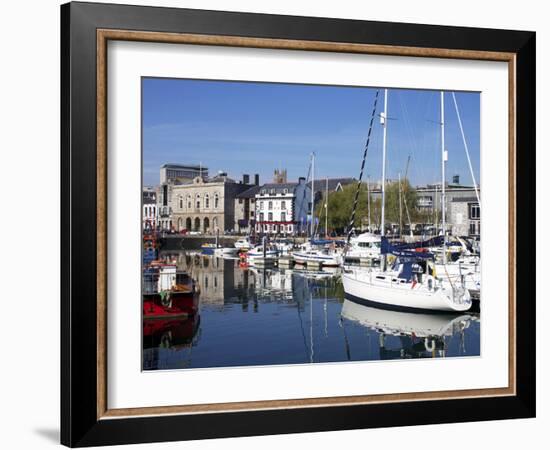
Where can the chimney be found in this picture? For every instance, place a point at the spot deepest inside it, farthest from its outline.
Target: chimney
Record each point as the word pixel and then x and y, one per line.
pixel 257 179
pixel 246 178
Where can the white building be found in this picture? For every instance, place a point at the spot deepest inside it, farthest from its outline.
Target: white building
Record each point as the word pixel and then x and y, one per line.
pixel 149 208
pixel 282 208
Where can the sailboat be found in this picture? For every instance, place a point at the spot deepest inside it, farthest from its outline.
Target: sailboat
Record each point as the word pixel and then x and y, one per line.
pixel 322 251
pixel 411 283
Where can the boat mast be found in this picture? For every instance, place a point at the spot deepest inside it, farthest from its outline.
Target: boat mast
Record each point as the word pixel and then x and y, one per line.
pixel 383 121
pixel 326 210
pixel 312 229
pixel 368 202
pixel 443 160
pixel 400 209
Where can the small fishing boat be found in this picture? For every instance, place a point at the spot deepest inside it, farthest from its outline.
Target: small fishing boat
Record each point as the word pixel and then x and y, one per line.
pixel 168 292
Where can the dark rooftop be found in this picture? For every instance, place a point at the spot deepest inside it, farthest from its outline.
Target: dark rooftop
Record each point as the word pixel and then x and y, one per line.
pixel 321 184
pixel 249 193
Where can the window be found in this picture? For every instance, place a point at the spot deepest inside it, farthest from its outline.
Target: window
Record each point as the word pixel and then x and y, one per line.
pixel 251 213
pixel 474 210
pixel 272 191
pixel 261 205
pixel 240 201
pixel 198 201
pixel 188 201
pixel 283 205
pixel 261 217
pixel 206 201
pixel 216 201
pixel 285 191
pixel 262 192
pixel 289 228
pixel 180 198
pixel 270 217
pixel 283 216
pixel 270 205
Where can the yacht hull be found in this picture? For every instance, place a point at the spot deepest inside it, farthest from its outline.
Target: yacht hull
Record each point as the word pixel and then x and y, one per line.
pixel 366 289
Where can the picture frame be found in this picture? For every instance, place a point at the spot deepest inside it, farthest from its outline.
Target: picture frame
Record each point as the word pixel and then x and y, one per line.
pixel 86 28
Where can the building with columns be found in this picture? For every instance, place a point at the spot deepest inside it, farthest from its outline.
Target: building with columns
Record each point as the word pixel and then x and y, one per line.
pixel 206 205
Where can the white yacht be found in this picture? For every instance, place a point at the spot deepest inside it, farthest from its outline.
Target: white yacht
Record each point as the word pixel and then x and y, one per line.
pixel 323 252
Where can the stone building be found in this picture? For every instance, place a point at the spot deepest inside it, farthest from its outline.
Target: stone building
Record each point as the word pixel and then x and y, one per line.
pixel 465 216
pixel 205 205
pixel 282 208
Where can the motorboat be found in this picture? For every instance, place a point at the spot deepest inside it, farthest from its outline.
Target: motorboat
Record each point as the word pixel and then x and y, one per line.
pixel 365 245
pixel 323 252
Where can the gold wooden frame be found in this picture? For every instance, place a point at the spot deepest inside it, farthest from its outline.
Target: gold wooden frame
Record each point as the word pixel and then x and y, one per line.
pixel 104 35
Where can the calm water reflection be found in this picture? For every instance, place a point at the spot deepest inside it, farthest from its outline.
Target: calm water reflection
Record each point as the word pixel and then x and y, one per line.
pixel 261 317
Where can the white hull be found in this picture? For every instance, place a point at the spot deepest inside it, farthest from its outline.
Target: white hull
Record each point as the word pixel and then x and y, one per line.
pixel 383 289
pixel 226 251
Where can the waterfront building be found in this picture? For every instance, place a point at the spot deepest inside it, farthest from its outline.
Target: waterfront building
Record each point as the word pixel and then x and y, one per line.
pixel 282 208
pixel 245 210
pixel 206 205
pixel 465 216
pixel 149 208
pixel 429 201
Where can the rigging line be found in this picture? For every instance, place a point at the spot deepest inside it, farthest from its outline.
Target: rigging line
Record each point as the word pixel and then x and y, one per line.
pixel 352 219
pixel 466 148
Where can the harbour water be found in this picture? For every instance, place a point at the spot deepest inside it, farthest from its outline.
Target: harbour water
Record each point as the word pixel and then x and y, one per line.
pixel 251 316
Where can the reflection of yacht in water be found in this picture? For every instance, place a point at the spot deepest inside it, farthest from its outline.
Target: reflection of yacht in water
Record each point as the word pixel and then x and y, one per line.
pixel 419 334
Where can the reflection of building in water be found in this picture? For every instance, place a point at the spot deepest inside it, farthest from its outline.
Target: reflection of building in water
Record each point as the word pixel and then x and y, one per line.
pixel 419 335
pixel 223 281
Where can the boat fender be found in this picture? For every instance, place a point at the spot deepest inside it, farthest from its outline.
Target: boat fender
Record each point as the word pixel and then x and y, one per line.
pixel 429 348
pixel 430 283
pixel 165 299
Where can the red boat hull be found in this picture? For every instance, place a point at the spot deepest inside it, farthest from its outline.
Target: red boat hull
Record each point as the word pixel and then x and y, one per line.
pixel 178 304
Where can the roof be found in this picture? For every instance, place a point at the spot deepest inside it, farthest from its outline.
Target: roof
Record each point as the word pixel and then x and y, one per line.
pixel 321 184
pixel 278 187
pixel 249 193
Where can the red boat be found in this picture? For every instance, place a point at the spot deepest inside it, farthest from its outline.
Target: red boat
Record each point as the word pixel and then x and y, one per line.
pixel 180 300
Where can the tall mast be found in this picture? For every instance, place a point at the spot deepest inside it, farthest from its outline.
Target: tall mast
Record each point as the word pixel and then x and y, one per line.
pixel 368 203
pixel 326 210
pixel 383 121
pixel 312 225
pixel 400 209
pixel 443 160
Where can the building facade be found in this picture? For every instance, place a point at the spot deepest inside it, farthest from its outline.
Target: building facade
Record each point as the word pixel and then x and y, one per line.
pixel 282 208
pixel 149 208
pixel 205 205
pixel 465 216
pixel 245 210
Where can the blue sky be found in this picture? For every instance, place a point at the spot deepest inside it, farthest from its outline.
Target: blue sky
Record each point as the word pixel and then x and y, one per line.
pixel 247 127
